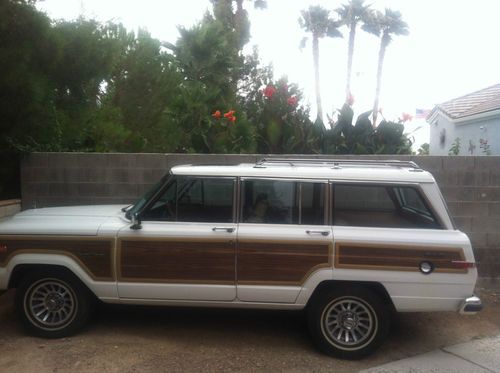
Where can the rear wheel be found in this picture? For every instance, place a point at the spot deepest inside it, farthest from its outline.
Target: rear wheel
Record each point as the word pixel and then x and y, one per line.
pixel 52 305
pixel 348 323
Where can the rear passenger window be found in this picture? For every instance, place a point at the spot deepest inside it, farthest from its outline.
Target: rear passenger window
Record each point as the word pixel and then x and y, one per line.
pixel 283 202
pixel 381 206
pixel 270 201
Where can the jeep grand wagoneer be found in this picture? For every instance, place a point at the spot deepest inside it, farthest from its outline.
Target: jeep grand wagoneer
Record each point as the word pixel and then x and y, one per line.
pixel 348 241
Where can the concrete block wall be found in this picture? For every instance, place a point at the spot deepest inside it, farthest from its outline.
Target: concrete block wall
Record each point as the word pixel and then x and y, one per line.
pixel 470 186
pixel 9 207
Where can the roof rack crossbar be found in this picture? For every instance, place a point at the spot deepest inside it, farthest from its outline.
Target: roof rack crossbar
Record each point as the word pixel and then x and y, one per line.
pixel 336 162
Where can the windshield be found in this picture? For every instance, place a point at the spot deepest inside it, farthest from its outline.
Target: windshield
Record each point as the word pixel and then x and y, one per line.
pixel 146 197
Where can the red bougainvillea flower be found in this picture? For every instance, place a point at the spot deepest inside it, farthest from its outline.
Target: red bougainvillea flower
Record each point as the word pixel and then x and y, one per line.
pixel 269 91
pixel 350 99
pixel 217 114
pixel 232 119
pixel 405 117
pixel 292 101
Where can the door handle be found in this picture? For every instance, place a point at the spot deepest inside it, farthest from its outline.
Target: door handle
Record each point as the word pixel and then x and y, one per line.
pixel 226 229
pixel 323 233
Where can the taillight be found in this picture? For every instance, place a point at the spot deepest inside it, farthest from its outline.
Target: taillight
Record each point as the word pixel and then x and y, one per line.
pixel 462 264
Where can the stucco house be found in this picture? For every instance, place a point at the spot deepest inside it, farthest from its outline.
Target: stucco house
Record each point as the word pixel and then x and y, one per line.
pixel 473 119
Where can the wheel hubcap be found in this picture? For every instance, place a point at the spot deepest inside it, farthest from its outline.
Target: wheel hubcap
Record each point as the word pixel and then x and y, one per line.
pixel 348 322
pixel 51 304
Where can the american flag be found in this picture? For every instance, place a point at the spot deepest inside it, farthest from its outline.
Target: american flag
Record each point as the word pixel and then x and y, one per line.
pixel 422 113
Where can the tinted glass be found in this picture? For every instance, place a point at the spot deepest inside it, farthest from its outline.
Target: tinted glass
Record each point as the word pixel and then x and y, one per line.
pixel 269 201
pixel 381 206
pixel 205 200
pixel 194 200
pixel 312 204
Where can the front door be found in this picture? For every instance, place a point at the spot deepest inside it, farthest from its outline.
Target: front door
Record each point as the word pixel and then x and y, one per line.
pixel 185 249
pixel 283 238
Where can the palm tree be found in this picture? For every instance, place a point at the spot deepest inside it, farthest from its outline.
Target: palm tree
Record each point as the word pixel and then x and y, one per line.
pixel 384 25
pixel 317 21
pixel 352 13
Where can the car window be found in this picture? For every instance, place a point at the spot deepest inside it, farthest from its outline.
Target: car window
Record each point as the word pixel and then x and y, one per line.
pixel 381 206
pixel 283 202
pixel 312 209
pixel 270 201
pixel 194 200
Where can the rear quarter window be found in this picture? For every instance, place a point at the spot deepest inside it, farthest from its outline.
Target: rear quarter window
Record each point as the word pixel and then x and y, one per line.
pixel 384 206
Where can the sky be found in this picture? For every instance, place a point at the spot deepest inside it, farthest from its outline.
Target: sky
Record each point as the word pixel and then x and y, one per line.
pixel 452 48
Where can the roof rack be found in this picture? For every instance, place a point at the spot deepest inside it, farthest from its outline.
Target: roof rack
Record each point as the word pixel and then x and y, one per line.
pixel 335 163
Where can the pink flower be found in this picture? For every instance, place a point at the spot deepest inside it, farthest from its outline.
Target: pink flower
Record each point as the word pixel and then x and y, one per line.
pixel 292 101
pixel 405 117
pixel 269 91
pixel 217 114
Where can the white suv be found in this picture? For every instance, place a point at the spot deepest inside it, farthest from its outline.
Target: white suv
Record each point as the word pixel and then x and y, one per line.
pixel 348 241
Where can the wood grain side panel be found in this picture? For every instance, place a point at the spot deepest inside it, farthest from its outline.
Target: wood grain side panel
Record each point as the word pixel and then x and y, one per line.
pixel 287 263
pixel 396 258
pixel 93 255
pixel 177 261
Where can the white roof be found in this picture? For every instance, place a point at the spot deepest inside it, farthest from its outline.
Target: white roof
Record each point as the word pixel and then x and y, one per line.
pixel 372 172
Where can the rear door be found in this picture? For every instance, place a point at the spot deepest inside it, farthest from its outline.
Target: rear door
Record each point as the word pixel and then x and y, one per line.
pixel 282 238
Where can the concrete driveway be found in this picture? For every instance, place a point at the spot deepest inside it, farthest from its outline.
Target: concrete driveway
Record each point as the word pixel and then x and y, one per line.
pixel 138 339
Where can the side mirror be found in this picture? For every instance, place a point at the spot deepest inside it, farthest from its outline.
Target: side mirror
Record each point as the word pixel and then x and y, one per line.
pixel 136 221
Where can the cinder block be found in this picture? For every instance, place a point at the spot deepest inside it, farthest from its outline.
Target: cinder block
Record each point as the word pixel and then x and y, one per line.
pixel 59 189
pixel 495 178
pixel 62 159
pixel 485 224
pixel 478 240
pixel 491 163
pixel 494 209
pixel 460 209
pixel 489 194
pixel 460 163
pixel 150 176
pixel 121 160
pixel 457 194
pixel 124 190
pixel 463 223
pixel 92 160
pixel 35 189
pixel 94 174
pixel 488 262
pixel 149 161
pixel 41 175
pixel 93 190
pixel 117 175
pixel 35 160
pixel 433 164
pixel 493 240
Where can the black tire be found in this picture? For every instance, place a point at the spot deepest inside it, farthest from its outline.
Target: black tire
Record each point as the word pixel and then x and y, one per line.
pixel 59 297
pixel 349 322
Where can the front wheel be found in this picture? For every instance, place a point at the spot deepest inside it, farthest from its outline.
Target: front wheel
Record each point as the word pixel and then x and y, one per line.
pixel 52 305
pixel 349 323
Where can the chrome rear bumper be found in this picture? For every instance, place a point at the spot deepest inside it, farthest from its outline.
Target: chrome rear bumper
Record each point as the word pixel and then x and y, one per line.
pixel 471 305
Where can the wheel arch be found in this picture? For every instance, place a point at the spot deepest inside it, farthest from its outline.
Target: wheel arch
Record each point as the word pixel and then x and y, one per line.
pixel 376 287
